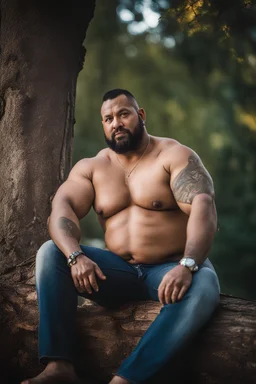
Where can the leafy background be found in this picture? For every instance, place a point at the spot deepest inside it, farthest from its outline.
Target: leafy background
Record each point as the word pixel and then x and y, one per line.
pixel 192 66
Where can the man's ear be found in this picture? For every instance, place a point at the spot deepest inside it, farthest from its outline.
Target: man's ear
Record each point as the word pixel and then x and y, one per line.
pixel 142 114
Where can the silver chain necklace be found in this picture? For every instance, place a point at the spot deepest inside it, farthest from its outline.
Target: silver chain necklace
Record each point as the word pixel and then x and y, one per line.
pixel 128 173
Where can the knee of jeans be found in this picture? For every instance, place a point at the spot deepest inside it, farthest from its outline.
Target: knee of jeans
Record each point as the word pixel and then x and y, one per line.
pixel 46 256
pixel 206 287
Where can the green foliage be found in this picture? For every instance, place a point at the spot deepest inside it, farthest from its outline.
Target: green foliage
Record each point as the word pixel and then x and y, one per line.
pixel 195 76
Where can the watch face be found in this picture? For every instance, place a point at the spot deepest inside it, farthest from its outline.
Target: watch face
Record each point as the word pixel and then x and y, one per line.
pixel 190 262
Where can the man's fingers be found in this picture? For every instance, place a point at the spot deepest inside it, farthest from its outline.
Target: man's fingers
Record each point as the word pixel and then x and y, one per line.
pixel 168 293
pixel 161 293
pixel 93 282
pixel 87 285
pixel 175 294
pixel 164 293
pixel 99 273
pixel 77 285
pixel 182 292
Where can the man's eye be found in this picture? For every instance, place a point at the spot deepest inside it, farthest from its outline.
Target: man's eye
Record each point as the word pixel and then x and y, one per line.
pixel 108 119
pixel 124 114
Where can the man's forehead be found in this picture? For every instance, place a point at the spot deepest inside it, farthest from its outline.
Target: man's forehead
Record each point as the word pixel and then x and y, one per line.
pixel 121 101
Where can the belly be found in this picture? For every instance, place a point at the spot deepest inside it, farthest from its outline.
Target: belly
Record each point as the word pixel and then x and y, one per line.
pixel 145 236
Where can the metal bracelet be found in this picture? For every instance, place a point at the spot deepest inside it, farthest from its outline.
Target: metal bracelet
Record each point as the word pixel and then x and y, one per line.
pixel 72 258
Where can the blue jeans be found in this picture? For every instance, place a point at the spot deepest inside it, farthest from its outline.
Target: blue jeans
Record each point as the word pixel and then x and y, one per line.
pixel 175 325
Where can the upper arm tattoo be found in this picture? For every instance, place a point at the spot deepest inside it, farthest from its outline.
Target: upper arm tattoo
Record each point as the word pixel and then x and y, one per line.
pixel 69 227
pixel 191 181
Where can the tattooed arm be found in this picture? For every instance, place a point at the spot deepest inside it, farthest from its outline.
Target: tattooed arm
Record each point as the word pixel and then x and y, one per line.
pixel 72 201
pixel 193 190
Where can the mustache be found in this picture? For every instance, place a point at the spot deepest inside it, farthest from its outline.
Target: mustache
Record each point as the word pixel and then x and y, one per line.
pixel 118 131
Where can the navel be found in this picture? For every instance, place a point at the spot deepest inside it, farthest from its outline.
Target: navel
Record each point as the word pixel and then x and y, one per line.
pixel 157 204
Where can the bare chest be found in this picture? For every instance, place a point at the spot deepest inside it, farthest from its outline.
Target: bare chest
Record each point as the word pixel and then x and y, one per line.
pixel 147 187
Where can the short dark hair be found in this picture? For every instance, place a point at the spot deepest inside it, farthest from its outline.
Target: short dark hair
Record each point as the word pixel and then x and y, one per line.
pixel 113 93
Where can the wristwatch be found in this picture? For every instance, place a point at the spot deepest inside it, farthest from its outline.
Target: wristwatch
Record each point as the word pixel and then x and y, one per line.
pixel 189 263
pixel 72 258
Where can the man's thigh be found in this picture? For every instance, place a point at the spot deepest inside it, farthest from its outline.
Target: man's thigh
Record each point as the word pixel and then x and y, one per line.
pixel 121 284
pixel 154 274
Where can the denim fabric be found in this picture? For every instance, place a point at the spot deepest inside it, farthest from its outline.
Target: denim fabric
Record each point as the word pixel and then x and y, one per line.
pixel 173 327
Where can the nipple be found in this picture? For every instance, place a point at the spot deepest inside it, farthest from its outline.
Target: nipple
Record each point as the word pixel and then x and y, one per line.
pixel 157 204
pixel 99 212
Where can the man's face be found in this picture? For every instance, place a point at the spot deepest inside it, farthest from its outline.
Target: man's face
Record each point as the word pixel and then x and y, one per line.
pixel 123 124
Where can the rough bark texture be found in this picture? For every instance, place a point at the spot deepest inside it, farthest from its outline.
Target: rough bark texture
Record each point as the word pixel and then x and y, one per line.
pixel 224 353
pixel 41 56
pixel 41 53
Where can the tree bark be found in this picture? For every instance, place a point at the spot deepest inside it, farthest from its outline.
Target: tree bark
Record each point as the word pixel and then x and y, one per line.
pixel 41 53
pixel 224 352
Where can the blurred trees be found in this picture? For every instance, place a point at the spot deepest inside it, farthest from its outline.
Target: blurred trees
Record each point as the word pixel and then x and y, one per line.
pixel 195 75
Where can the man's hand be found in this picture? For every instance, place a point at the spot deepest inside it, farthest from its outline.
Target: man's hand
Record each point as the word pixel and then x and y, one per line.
pixel 84 274
pixel 174 284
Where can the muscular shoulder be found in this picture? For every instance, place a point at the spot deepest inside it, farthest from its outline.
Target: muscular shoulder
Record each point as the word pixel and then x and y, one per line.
pixel 188 175
pixel 78 189
pixel 83 168
pixel 87 166
pixel 172 152
pixel 177 155
pixel 164 143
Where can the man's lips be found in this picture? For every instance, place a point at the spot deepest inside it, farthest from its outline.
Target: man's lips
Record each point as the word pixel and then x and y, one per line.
pixel 120 133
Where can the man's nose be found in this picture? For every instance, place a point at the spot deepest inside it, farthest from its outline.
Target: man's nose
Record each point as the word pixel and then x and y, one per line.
pixel 117 123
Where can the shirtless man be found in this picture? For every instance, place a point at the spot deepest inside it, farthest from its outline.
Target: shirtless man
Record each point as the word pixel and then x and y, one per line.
pixel 155 202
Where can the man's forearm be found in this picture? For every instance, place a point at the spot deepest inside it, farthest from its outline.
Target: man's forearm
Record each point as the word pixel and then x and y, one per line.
pixel 64 229
pixel 201 228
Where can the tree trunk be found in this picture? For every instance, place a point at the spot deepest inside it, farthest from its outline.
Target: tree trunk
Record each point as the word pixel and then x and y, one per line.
pixel 41 55
pixel 224 353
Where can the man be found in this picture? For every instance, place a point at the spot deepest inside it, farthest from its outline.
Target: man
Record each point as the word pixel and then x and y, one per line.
pixel 155 202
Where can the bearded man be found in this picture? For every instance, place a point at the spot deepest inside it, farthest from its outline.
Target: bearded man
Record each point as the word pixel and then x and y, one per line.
pixel 155 202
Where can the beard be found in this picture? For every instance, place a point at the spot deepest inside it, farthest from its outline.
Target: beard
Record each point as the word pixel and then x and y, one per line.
pixel 129 143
